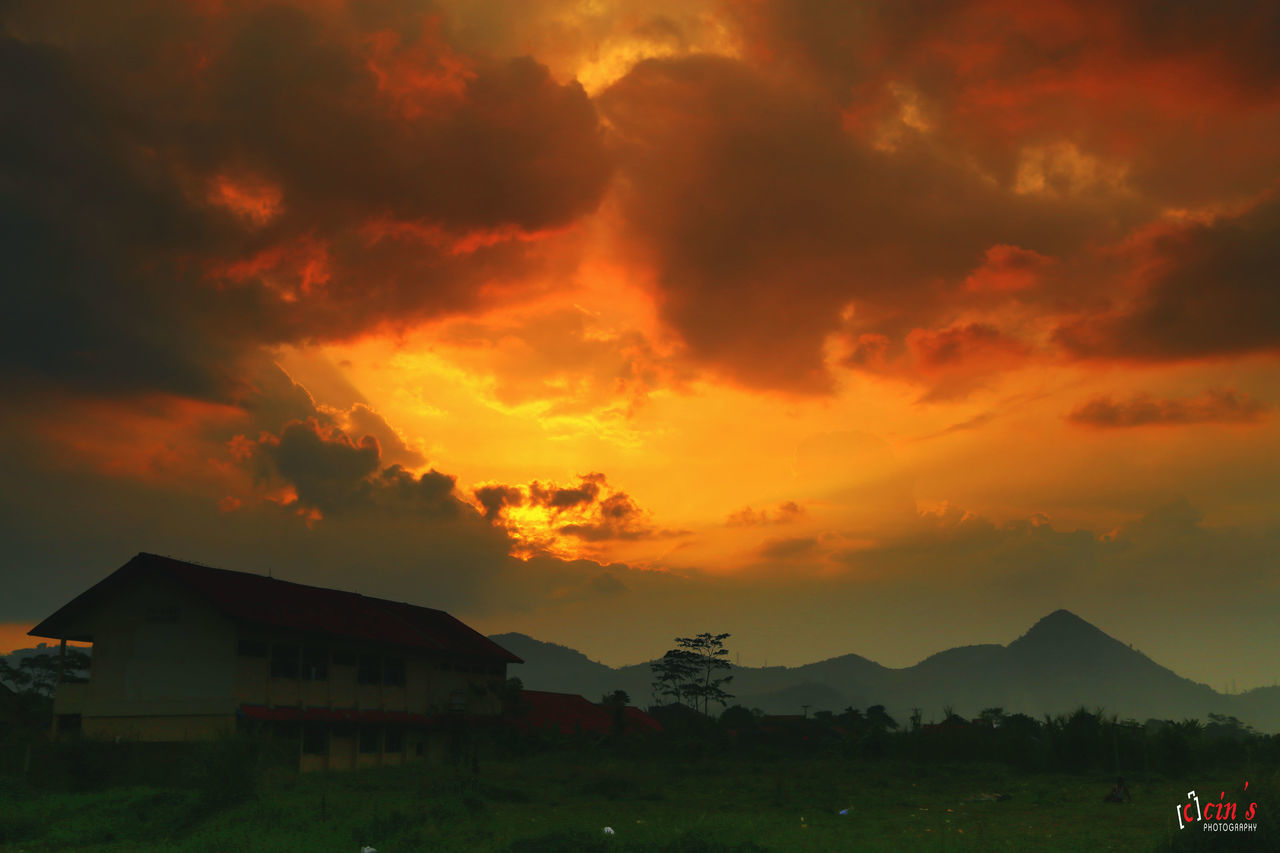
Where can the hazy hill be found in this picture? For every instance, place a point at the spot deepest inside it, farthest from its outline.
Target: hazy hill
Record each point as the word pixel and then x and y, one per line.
pixel 548 666
pixel 1061 663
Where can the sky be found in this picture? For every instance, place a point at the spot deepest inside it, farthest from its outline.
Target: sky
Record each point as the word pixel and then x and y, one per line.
pixel 878 327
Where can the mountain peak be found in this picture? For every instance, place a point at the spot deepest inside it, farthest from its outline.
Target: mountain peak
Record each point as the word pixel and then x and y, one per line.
pixel 1062 628
pixel 1061 617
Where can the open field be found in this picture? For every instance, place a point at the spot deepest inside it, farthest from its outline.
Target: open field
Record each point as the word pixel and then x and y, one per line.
pixel 563 802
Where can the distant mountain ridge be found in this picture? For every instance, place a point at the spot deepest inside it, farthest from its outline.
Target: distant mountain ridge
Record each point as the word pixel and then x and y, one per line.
pixel 1059 664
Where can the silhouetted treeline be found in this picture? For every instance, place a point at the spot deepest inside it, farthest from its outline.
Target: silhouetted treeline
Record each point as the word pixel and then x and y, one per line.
pixel 1084 741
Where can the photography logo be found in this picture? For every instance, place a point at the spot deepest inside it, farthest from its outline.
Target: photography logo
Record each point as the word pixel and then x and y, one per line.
pixel 1217 817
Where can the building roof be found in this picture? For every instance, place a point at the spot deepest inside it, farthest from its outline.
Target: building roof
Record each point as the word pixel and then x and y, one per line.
pixel 283 604
pixel 639 721
pixel 564 712
pixel 569 713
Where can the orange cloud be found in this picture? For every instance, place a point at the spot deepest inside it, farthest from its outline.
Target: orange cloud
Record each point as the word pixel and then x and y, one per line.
pixel 953 347
pixel 1220 406
pixel 1008 269
pixel 1204 289
pixel 419 75
pixel 257 201
pixel 160 438
pixel 569 521
pixel 782 514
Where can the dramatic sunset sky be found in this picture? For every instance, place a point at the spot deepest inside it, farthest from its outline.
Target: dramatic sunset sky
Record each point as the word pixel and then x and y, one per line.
pixel 875 327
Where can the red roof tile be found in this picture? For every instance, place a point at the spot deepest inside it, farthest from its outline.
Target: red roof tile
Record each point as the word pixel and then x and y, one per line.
pixel 569 713
pixel 638 720
pixel 269 601
pixel 564 712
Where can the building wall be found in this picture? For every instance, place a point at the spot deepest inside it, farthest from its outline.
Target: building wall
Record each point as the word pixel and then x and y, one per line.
pixel 433 683
pixel 453 687
pixel 160 728
pixel 158 651
pixel 167 666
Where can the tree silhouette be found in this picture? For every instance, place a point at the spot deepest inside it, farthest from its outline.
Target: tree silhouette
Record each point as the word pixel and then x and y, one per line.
pixel 879 719
pixel 37 675
pixel 672 674
pixel 616 703
pixel 689 672
pixel 992 718
pixel 709 656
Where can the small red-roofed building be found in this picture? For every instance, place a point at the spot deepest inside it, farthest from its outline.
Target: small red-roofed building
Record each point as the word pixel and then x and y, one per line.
pixel 639 721
pixel 188 652
pixel 569 713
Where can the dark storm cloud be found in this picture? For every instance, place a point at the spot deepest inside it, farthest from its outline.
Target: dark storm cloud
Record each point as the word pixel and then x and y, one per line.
pixel 176 192
pixel 362 420
pixel 1124 110
pixel 82 213
pixel 559 499
pixel 1184 94
pixel 1244 36
pixel 326 468
pixel 494 499
pixel 765 219
pixel 272 398
pixel 1213 292
pixel 1004 72
pixel 846 41
pixel 1224 406
pixel 332 473
pixel 616 518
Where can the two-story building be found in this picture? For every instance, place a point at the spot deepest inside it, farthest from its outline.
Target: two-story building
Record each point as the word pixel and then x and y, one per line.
pixel 185 652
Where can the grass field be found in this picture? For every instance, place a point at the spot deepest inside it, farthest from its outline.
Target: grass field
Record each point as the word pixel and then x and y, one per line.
pixel 563 802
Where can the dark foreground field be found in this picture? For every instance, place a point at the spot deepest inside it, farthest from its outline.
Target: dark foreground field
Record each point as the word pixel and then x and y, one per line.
pixel 563 803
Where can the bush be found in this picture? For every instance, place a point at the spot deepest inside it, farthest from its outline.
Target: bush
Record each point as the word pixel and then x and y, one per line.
pixel 227 770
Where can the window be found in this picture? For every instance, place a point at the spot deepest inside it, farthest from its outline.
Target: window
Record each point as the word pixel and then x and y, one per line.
pixel 343 657
pixel 315 663
pixel 286 730
pixel 314 740
pixel 284 660
pixel 253 648
pixel 369 670
pixel 369 737
pixel 394 740
pixel 393 672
